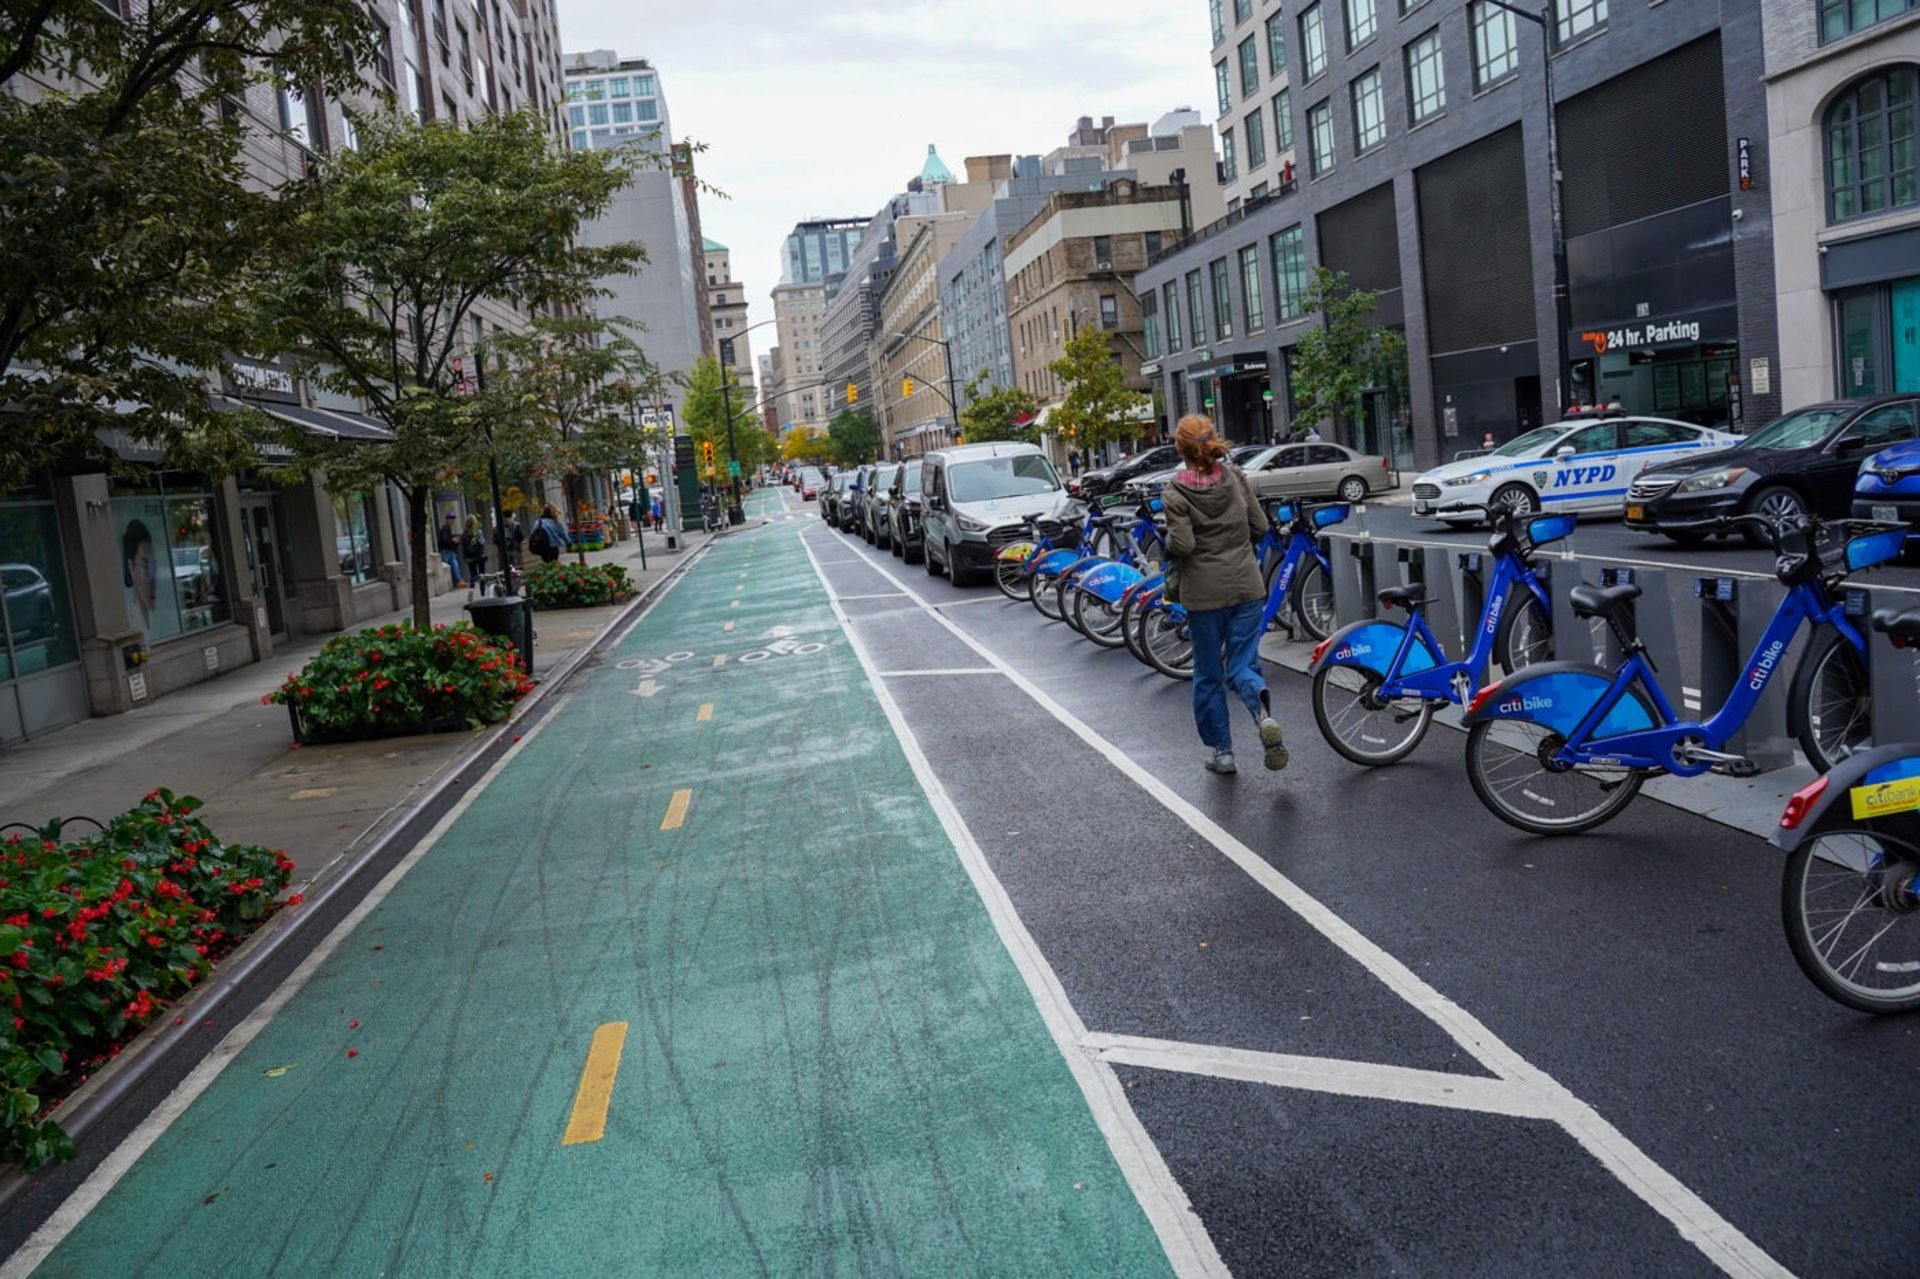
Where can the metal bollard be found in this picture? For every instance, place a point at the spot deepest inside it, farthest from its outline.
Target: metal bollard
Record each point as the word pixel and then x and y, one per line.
pixel 1353 583
pixel 1470 580
pixel 1573 637
pixel 1733 615
pixel 1894 674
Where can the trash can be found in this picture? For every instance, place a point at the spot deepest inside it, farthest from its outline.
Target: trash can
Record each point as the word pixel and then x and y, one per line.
pixel 508 617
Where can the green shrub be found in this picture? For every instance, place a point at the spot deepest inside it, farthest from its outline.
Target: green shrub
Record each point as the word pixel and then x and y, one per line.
pixel 577 585
pixel 98 934
pixel 400 677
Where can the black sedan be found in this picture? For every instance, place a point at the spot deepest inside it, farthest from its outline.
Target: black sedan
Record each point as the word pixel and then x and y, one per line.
pixel 1113 479
pixel 906 535
pixel 1798 464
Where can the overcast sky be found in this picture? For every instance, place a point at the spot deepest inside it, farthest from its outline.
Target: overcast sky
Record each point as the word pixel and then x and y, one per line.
pixel 817 110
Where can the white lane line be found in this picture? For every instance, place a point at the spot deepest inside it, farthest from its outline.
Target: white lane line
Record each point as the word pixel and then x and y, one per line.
pixel 74 1209
pixel 1692 1216
pixel 995 598
pixel 878 595
pixel 1325 1074
pixel 852 560
pixel 1182 1234
pixel 951 670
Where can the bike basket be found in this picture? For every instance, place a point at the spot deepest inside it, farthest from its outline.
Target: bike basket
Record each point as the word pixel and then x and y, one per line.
pixel 1542 529
pixel 1328 516
pixel 1874 548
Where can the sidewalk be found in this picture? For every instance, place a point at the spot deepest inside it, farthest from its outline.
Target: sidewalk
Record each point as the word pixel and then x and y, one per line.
pixel 216 741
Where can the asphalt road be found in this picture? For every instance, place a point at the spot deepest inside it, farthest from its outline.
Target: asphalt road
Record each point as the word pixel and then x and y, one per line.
pixel 1333 996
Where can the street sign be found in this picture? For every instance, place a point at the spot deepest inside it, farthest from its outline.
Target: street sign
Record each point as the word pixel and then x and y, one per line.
pixel 733 469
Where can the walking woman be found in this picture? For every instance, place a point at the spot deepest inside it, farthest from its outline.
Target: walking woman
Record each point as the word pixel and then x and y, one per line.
pixel 1213 521
pixel 473 549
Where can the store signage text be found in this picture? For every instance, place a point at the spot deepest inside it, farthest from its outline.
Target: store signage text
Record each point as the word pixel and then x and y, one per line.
pixel 262 377
pixel 1627 337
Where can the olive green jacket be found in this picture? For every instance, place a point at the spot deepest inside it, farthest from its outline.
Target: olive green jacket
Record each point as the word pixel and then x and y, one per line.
pixel 1211 532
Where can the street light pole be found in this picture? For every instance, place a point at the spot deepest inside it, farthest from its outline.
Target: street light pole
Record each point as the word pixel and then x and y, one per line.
pixel 1562 296
pixel 953 396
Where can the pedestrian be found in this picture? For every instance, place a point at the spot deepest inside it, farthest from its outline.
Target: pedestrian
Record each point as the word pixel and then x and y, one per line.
pixel 1073 460
pixel 449 544
pixel 1313 434
pixel 1486 441
pixel 1213 520
pixel 516 536
pixel 549 536
pixel 473 550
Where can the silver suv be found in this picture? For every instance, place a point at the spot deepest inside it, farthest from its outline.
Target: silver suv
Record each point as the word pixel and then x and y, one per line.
pixel 973 498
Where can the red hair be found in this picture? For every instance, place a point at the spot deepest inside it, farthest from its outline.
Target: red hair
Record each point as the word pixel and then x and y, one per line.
pixel 1199 447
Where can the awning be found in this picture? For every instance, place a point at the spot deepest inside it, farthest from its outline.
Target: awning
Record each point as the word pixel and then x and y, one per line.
pixel 336 423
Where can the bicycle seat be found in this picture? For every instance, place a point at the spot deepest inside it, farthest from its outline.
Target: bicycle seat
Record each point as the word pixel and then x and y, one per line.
pixel 1902 625
pixel 1407 597
pixel 1609 602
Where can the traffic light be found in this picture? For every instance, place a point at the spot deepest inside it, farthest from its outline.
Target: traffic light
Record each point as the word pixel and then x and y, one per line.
pixel 906 387
pixel 706 453
pixel 853 393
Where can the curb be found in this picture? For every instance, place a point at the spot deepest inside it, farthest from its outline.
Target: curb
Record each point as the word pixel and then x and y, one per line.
pixel 383 844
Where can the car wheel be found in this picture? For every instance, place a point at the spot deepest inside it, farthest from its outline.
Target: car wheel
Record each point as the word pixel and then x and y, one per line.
pixel 1353 489
pixel 1778 503
pixel 1517 498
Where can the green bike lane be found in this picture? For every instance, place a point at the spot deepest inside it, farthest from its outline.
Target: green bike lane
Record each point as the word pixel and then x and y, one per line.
pixel 696 984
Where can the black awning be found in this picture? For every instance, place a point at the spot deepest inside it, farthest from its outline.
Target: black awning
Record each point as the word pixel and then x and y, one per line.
pixel 336 423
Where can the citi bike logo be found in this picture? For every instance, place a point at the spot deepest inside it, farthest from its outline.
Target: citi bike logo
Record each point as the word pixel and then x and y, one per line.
pixel 1520 702
pixel 1286 578
pixel 1763 669
pixel 1353 650
pixel 1493 613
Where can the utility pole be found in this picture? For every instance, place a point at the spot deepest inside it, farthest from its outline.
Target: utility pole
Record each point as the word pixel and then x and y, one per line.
pixel 493 462
pixel 735 515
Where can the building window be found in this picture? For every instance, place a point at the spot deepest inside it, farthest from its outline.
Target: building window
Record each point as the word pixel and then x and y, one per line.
pixel 1152 239
pixel 619 87
pixel 1289 251
pixel 1249 56
pixel 597 114
pixel 646 110
pixel 1496 48
pixel 1369 111
pixel 1360 22
pixel 170 566
pixel 1870 146
pixel 1577 17
pixel 622 113
pixel 1109 311
pixel 293 116
pixel 1276 44
pixel 1319 139
pixel 1283 121
pixel 1256 131
pixel 349 135
pixel 596 90
pixel 1222 299
pixel 643 87
pixel 1426 78
pixel 575 90
pixel 1251 302
pixel 1222 87
pixel 577 116
pixel 1214 11
pixel 1149 327
pixel 579 139
pixel 1170 308
pixel 1196 312
pixel 1229 157
pixel 1102 252
pixel 1258 193
pixel 1313 41
pixel 353 538
pixel 1242 10
pixel 383 52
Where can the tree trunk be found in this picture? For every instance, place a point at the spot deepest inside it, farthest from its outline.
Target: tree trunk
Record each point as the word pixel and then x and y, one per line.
pixel 419 516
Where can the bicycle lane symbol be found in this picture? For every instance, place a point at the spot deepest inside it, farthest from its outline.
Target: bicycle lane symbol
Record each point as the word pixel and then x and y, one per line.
pixel 645 668
pixel 781 643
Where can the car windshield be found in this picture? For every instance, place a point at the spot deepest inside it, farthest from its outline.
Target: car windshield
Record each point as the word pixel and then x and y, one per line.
pixel 809 477
pixel 1002 477
pixel 883 478
pixel 911 481
pixel 1800 430
pixel 1530 443
pixel 1257 459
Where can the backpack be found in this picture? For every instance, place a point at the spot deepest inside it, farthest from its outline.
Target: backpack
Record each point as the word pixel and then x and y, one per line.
pixel 541 543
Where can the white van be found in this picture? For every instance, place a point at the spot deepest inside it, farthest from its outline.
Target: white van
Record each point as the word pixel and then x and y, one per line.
pixel 975 497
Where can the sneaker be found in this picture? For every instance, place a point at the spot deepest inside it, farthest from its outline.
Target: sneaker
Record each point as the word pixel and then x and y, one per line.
pixel 1276 758
pixel 1219 761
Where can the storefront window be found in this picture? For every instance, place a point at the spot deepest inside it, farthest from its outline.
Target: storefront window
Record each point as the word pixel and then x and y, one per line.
pixel 1859 349
pixel 1871 148
pixel 352 539
pixel 169 566
pixel 37 632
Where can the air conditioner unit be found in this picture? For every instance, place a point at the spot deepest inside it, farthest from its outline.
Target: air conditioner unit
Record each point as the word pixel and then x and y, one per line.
pixel 1103 266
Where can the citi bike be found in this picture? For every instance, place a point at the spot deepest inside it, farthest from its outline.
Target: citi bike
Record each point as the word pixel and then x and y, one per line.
pixel 1377 683
pixel 1564 746
pixel 1850 893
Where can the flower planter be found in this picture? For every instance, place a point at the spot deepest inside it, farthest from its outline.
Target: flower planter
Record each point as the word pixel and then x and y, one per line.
pixel 317 736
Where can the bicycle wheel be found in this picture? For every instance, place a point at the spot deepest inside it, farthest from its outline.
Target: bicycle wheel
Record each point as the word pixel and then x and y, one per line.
pixel 1312 601
pixel 1358 724
pixel 1508 764
pixel 1130 615
pixel 1011 577
pixel 1167 642
pixel 1847 901
pixel 1526 633
pixel 1098 620
pixel 1043 595
pixel 1832 706
pixel 1067 592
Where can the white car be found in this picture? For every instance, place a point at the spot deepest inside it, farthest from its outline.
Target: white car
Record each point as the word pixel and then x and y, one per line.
pixel 1582 464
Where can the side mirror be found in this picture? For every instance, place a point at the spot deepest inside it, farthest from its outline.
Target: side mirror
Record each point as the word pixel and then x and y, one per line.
pixel 1565 450
pixel 1849 444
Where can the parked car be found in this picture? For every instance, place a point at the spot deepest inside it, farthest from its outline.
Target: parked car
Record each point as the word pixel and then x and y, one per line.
pixel 810 482
pixel 854 509
pixel 1887 489
pixel 1582 463
pixel 830 497
pixel 973 497
pixel 1113 479
pixel 903 513
pixel 29 600
pixel 1803 462
pixel 1141 487
pixel 873 521
pixel 1321 470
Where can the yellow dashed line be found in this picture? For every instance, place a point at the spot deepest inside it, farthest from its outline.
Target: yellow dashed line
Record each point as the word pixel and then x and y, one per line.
pixel 733 603
pixel 720 659
pixel 727 627
pixel 706 713
pixel 677 810
pixel 588 1122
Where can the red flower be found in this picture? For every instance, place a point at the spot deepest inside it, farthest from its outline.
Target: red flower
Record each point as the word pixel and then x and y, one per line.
pixel 353 1052
pixel 296 899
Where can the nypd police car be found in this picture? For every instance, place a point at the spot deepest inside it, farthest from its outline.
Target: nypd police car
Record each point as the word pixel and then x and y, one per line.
pixel 1584 463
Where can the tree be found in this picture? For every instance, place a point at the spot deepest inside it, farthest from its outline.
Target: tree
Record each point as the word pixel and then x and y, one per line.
pixel 1097 408
pixel 705 408
pixel 395 246
pixel 131 228
pixel 1334 364
pixel 561 395
pixel 998 413
pixel 854 437
pixel 805 445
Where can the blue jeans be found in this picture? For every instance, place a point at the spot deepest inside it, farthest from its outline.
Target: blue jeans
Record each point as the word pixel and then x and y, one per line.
pixel 452 561
pixel 1226 654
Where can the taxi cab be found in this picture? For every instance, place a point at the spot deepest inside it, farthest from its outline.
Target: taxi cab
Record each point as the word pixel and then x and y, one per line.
pixel 1582 463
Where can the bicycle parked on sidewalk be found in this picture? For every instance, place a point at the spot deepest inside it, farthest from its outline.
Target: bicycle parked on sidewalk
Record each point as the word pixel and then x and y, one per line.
pixel 1850 891
pixel 1565 746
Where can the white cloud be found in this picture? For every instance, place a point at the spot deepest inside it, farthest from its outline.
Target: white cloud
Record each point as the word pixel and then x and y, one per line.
pixel 812 110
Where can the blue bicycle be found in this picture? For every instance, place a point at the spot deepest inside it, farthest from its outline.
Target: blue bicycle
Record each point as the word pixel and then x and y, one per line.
pixel 1093 593
pixel 1564 746
pixel 1377 683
